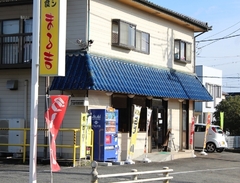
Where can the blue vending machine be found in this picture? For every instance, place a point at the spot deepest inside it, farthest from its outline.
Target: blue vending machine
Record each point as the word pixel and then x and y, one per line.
pixel 105 127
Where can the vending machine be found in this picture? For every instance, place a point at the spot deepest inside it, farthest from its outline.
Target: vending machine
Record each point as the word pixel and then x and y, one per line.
pixel 105 127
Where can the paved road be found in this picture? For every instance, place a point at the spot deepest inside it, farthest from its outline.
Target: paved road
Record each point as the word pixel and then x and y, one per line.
pixel 213 168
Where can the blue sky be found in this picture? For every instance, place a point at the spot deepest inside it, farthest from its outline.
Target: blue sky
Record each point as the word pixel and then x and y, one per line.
pixel 224 17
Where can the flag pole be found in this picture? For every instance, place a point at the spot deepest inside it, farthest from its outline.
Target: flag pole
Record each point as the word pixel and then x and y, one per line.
pixel 149 113
pixel 34 93
pixel 49 137
pixel 206 132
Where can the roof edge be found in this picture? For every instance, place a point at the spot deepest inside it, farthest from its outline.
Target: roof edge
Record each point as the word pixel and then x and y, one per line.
pixel 195 22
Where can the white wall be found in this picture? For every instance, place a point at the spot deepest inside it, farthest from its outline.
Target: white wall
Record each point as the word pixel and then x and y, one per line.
pixel 211 76
pixel 76 23
pixel 162 34
pixel 174 120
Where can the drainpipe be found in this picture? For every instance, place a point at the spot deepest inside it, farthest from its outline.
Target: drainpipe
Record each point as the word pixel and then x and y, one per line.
pixel 26 103
pixel 209 28
pixel 88 21
pixel 194 66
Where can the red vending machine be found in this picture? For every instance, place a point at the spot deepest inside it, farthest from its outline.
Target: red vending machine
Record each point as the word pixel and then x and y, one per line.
pixel 105 127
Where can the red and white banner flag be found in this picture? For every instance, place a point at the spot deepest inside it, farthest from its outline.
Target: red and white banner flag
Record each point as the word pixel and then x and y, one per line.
pixel 54 116
pixel 192 131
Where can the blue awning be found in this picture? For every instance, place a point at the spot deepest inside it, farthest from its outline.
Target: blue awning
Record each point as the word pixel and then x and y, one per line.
pixel 92 72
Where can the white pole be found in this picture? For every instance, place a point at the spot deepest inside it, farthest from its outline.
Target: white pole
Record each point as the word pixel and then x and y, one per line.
pixel 34 93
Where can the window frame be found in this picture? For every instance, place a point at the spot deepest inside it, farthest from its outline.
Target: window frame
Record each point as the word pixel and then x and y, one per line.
pixel 182 51
pixel 117 39
pixel 210 89
pixel 217 91
pixel 140 41
pixel 21 39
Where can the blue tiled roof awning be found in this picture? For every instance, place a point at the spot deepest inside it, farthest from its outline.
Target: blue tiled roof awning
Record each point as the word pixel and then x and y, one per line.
pixel 105 74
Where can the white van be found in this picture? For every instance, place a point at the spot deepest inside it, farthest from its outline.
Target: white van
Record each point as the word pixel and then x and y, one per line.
pixel 215 140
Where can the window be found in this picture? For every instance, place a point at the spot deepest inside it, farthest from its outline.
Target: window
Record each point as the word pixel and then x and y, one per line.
pixel 27 41
pixel 123 34
pixel 182 51
pixel 217 90
pixel 200 128
pixel 10 43
pixel 16 39
pixel 209 88
pixel 142 42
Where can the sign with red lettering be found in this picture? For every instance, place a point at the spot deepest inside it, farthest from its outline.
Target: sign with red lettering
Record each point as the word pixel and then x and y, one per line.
pixel 52 48
pixel 54 116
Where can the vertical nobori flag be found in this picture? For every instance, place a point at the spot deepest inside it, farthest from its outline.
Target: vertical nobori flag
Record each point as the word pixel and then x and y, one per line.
pixel 83 135
pixel 54 116
pixel 149 114
pixel 136 118
pixel 206 131
pixel 192 131
pixel 221 119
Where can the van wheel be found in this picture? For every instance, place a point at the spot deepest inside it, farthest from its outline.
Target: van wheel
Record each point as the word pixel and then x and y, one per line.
pixel 211 147
pixel 219 150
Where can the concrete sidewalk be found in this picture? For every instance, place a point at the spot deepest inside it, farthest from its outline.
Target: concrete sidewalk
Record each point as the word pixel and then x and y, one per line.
pixel 165 156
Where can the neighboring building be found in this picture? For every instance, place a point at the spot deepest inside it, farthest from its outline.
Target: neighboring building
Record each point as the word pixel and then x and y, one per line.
pixel 233 93
pixel 224 95
pixel 211 78
pixel 119 53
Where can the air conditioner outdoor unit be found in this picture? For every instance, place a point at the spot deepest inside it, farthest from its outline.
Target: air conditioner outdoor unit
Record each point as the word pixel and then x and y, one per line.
pixel 11 136
pixel 78 101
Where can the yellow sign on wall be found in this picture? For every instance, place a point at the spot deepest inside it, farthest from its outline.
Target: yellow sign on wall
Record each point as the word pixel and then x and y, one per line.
pixel 52 38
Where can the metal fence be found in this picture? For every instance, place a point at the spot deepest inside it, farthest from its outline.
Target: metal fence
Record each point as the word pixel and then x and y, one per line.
pixel 163 175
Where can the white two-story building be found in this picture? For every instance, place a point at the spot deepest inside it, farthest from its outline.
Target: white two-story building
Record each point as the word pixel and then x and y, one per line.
pixel 118 53
pixel 211 78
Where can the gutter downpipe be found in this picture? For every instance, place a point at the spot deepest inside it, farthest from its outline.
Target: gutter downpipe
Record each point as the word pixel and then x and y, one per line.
pixel 26 104
pixel 209 28
pixel 88 22
pixel 88 28
pixel 194 67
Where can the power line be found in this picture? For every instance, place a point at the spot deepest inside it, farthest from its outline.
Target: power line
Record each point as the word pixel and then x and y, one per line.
pixel 218 57
pixel 223 30
pixel 226 77
pixel 230 86
pixel 217 39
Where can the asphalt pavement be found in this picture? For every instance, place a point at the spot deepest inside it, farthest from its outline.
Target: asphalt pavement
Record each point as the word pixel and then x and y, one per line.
pixel 215 167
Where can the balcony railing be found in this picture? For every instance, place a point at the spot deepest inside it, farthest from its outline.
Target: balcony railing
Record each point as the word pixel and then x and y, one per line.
pixel 16 50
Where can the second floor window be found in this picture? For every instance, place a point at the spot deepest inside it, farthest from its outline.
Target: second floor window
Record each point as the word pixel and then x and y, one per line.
pixel 10 43
pixel 182 51
pixel 142 42
pixel 217 90
pixel 16 41
pixel 123 34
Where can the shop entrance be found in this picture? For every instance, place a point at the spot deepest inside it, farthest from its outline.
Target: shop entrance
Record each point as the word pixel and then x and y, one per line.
pixel 158 128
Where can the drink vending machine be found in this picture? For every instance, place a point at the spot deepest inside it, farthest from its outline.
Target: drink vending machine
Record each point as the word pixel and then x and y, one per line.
pixel 105 127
